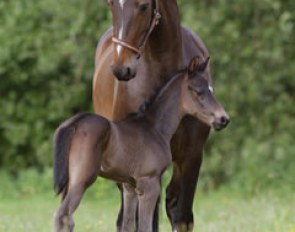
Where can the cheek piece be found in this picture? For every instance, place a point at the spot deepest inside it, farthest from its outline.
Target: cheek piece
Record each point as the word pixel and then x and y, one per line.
pixel 139 50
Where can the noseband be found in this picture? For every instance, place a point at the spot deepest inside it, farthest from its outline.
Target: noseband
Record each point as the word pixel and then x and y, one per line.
pixel 139 50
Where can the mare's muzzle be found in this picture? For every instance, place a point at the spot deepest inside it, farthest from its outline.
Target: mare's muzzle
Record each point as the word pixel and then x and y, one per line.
pixel 123 73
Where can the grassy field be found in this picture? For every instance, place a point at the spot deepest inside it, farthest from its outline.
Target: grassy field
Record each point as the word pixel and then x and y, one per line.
pixel 221 211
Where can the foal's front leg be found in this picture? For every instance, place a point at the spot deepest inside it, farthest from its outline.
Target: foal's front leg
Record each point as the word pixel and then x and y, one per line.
pixel 148 190
pixel 129 211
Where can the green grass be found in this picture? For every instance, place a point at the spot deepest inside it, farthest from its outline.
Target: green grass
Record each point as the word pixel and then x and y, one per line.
pixel 221 211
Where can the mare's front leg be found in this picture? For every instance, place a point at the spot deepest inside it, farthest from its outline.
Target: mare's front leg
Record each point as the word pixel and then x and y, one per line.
pixel 148 190
pixel 129 210
pixel 188 145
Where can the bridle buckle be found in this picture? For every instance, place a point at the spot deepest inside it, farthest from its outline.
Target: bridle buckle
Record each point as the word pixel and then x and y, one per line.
pixel 158 16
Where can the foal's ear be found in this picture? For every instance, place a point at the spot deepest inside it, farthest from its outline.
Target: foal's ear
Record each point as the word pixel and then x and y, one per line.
pixel 193 65
pixel 202 67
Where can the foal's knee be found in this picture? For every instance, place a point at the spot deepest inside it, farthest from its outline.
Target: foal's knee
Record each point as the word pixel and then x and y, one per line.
pixel 148 187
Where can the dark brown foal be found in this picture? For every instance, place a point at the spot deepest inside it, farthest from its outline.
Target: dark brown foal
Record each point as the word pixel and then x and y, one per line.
pixel 134 151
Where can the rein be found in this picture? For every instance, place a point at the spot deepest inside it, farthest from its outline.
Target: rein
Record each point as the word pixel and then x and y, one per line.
pixel 139 50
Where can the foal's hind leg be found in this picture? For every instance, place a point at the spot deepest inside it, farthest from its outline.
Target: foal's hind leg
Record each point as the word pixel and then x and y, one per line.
pixel 63 220
pixel 130 205
pixel 149 190
pixel 84 165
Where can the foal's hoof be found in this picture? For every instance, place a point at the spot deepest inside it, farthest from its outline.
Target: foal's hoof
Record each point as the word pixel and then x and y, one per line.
pixel 63 224
pixel 184 227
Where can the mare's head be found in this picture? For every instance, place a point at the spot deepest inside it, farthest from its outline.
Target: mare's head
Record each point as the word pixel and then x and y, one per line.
pixel 133 21
pixel 199 99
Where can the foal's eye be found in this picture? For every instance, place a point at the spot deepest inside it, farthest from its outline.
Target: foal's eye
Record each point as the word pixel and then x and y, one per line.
pixel 143 7
pixel 199 92
pixel 196 91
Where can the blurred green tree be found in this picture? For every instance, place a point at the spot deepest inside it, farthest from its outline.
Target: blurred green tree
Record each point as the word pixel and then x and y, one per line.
pixel 46 62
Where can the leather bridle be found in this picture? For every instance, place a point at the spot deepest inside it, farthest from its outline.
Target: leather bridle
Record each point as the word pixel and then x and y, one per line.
pixel 139 50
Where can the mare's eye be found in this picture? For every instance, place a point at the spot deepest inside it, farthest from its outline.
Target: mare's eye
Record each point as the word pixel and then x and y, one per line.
pixel 143 7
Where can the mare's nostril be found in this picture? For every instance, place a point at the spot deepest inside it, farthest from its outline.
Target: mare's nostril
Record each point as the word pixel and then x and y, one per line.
pixel 132 73
pixel 128 71
pixel 123 73
pixel 116 71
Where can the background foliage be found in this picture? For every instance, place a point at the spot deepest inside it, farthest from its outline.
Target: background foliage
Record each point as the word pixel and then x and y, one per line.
pixel 46 63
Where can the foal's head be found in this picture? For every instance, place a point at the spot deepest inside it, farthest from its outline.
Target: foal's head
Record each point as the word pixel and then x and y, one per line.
pixel 133 21
pixel 199 99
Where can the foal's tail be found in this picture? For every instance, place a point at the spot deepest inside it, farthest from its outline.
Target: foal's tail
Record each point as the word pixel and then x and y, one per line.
pixel 62 145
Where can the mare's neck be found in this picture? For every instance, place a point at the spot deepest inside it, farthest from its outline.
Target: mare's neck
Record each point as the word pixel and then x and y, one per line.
pixel 166 111
pixel 162 57
pixel 164 44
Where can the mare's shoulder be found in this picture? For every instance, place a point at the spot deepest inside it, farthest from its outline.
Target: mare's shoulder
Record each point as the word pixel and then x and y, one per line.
pixel 104 42
pixel 106 36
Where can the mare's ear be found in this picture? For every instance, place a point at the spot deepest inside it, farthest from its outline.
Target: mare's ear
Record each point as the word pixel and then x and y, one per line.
pixel 202 67
pixel 193 65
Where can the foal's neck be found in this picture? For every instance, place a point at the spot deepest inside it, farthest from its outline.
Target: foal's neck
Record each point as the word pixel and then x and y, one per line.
pixel 166 111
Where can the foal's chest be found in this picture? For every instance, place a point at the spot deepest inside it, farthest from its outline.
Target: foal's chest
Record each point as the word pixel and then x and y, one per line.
pixel 133 151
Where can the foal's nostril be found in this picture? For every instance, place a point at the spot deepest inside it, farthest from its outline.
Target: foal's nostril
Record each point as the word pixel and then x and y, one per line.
pixel 220 122
pixel 224 120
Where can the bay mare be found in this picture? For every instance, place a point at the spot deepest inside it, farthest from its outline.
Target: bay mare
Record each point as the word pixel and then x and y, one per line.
pixel 152 48
pixel 134 151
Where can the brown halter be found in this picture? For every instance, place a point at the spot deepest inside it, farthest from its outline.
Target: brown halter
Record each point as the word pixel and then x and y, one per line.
pixel 156 19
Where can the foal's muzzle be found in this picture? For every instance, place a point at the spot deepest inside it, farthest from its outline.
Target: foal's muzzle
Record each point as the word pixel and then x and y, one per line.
pixel 221 122
pixel 123 73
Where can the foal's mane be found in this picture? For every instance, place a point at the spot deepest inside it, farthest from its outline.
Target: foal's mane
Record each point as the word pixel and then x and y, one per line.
pixel 143 108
